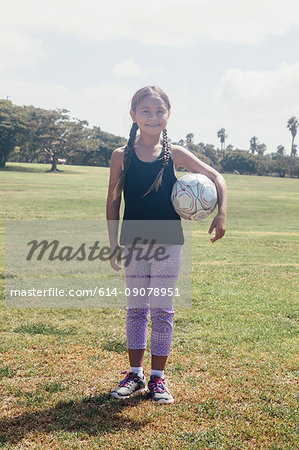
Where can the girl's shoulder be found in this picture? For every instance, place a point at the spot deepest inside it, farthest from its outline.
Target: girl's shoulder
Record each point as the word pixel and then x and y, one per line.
pixel 119 152
pixel 177 152
pixel 176 148
pixel 117 156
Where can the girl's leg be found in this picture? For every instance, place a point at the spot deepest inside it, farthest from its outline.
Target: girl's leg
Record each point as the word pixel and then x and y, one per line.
pixel 159 362
pixel 137 278
pixel 164 275
pixel 137 320
pixel 162 328
pixel 136 357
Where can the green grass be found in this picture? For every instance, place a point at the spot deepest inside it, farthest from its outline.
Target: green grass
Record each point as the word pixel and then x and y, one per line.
pixel 233 365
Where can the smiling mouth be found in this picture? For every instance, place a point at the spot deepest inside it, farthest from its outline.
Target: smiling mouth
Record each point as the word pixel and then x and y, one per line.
pixel 153 126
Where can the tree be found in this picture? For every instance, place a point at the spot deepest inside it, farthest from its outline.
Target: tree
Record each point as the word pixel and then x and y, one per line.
pixel 13 128
pixel 294 149
pixel 253 144
pixel 189 139
pixel 292 125
pixel 52 134
pixel 261 148
pixel 280 164
pixel 55 134
pixel 95 148
pixel 102 145
pixel 76 137
pixel 32 149
pixel 263 164
pixel 280 150
pixel 222 136
pixel 239 160
pixel 211 153
pixel 295 170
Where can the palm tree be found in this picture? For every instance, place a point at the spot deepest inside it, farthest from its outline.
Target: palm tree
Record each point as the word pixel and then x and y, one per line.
pixel 189 138
pixel 292 126
pixel 253 144
pixel 280 150
pixel 261 148
pixel 222 136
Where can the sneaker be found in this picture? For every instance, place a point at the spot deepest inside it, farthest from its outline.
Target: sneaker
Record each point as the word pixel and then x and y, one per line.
pixel 159 391
pixel 129 385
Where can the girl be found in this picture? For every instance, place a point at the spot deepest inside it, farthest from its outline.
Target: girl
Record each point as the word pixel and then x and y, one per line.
pixel 145 170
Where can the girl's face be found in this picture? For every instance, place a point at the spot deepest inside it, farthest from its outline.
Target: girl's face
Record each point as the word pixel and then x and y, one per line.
pixel 151 115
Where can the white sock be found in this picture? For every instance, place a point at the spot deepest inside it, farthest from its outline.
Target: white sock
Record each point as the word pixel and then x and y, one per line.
pixel 139 370
pixel 157 373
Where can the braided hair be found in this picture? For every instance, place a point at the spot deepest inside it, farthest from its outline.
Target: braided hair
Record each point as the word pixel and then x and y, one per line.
pixel 128 153
pixel 129 149
pixel 165 155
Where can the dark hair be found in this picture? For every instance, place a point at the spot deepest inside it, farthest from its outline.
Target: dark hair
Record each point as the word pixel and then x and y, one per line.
pixel 129 149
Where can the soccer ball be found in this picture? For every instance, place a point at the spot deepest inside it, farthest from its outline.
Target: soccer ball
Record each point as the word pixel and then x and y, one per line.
pixel 194 196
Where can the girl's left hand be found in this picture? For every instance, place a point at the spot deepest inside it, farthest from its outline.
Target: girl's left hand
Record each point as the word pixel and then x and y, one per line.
pixel 219 224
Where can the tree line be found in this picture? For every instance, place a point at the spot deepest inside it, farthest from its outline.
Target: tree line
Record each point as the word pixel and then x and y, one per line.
pixel 36 135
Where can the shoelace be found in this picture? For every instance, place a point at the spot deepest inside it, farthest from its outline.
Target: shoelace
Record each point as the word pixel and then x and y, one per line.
pixel 126 380
pixel 157 385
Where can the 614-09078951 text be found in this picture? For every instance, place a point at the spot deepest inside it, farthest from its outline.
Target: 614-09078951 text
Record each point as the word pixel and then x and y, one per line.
pixel 97 291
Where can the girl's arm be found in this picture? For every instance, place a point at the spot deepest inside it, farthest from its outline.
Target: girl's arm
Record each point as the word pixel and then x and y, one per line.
pixel 113 206
pixel 184 158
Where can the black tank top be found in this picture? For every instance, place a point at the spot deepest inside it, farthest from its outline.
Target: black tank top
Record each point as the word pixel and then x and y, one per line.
pixel 155 205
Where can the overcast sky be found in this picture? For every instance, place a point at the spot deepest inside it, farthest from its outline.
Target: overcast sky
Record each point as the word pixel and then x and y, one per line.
pixel 224 64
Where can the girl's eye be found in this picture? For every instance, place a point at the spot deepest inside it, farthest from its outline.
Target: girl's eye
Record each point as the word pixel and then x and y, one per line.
pixel 147 111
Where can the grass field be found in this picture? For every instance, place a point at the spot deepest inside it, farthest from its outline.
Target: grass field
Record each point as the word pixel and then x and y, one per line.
pixel 233 364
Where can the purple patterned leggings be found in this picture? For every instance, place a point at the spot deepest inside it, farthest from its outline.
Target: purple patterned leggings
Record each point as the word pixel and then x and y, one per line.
pixel 152 278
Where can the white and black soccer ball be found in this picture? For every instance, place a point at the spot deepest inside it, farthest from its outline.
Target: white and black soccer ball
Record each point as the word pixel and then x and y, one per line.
pixel 194 196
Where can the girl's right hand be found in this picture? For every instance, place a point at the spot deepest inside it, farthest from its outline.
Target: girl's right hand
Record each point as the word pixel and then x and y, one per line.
pixel 115 259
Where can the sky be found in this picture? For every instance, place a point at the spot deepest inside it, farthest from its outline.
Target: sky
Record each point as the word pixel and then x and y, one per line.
pixel 224 64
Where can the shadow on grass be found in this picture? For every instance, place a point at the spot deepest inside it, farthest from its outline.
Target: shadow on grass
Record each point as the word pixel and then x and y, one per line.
pixel 97 415
pixel 29 169
pixel 24 169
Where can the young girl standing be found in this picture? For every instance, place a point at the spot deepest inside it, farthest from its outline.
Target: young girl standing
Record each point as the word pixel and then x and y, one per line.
pixel 145 170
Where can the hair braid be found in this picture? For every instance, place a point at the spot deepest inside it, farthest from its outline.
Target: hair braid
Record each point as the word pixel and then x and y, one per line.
pixel 165 154
pixel 128 153
pixel 166 148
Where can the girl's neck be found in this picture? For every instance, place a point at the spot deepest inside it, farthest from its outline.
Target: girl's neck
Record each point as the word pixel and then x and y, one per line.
pixel 148 141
